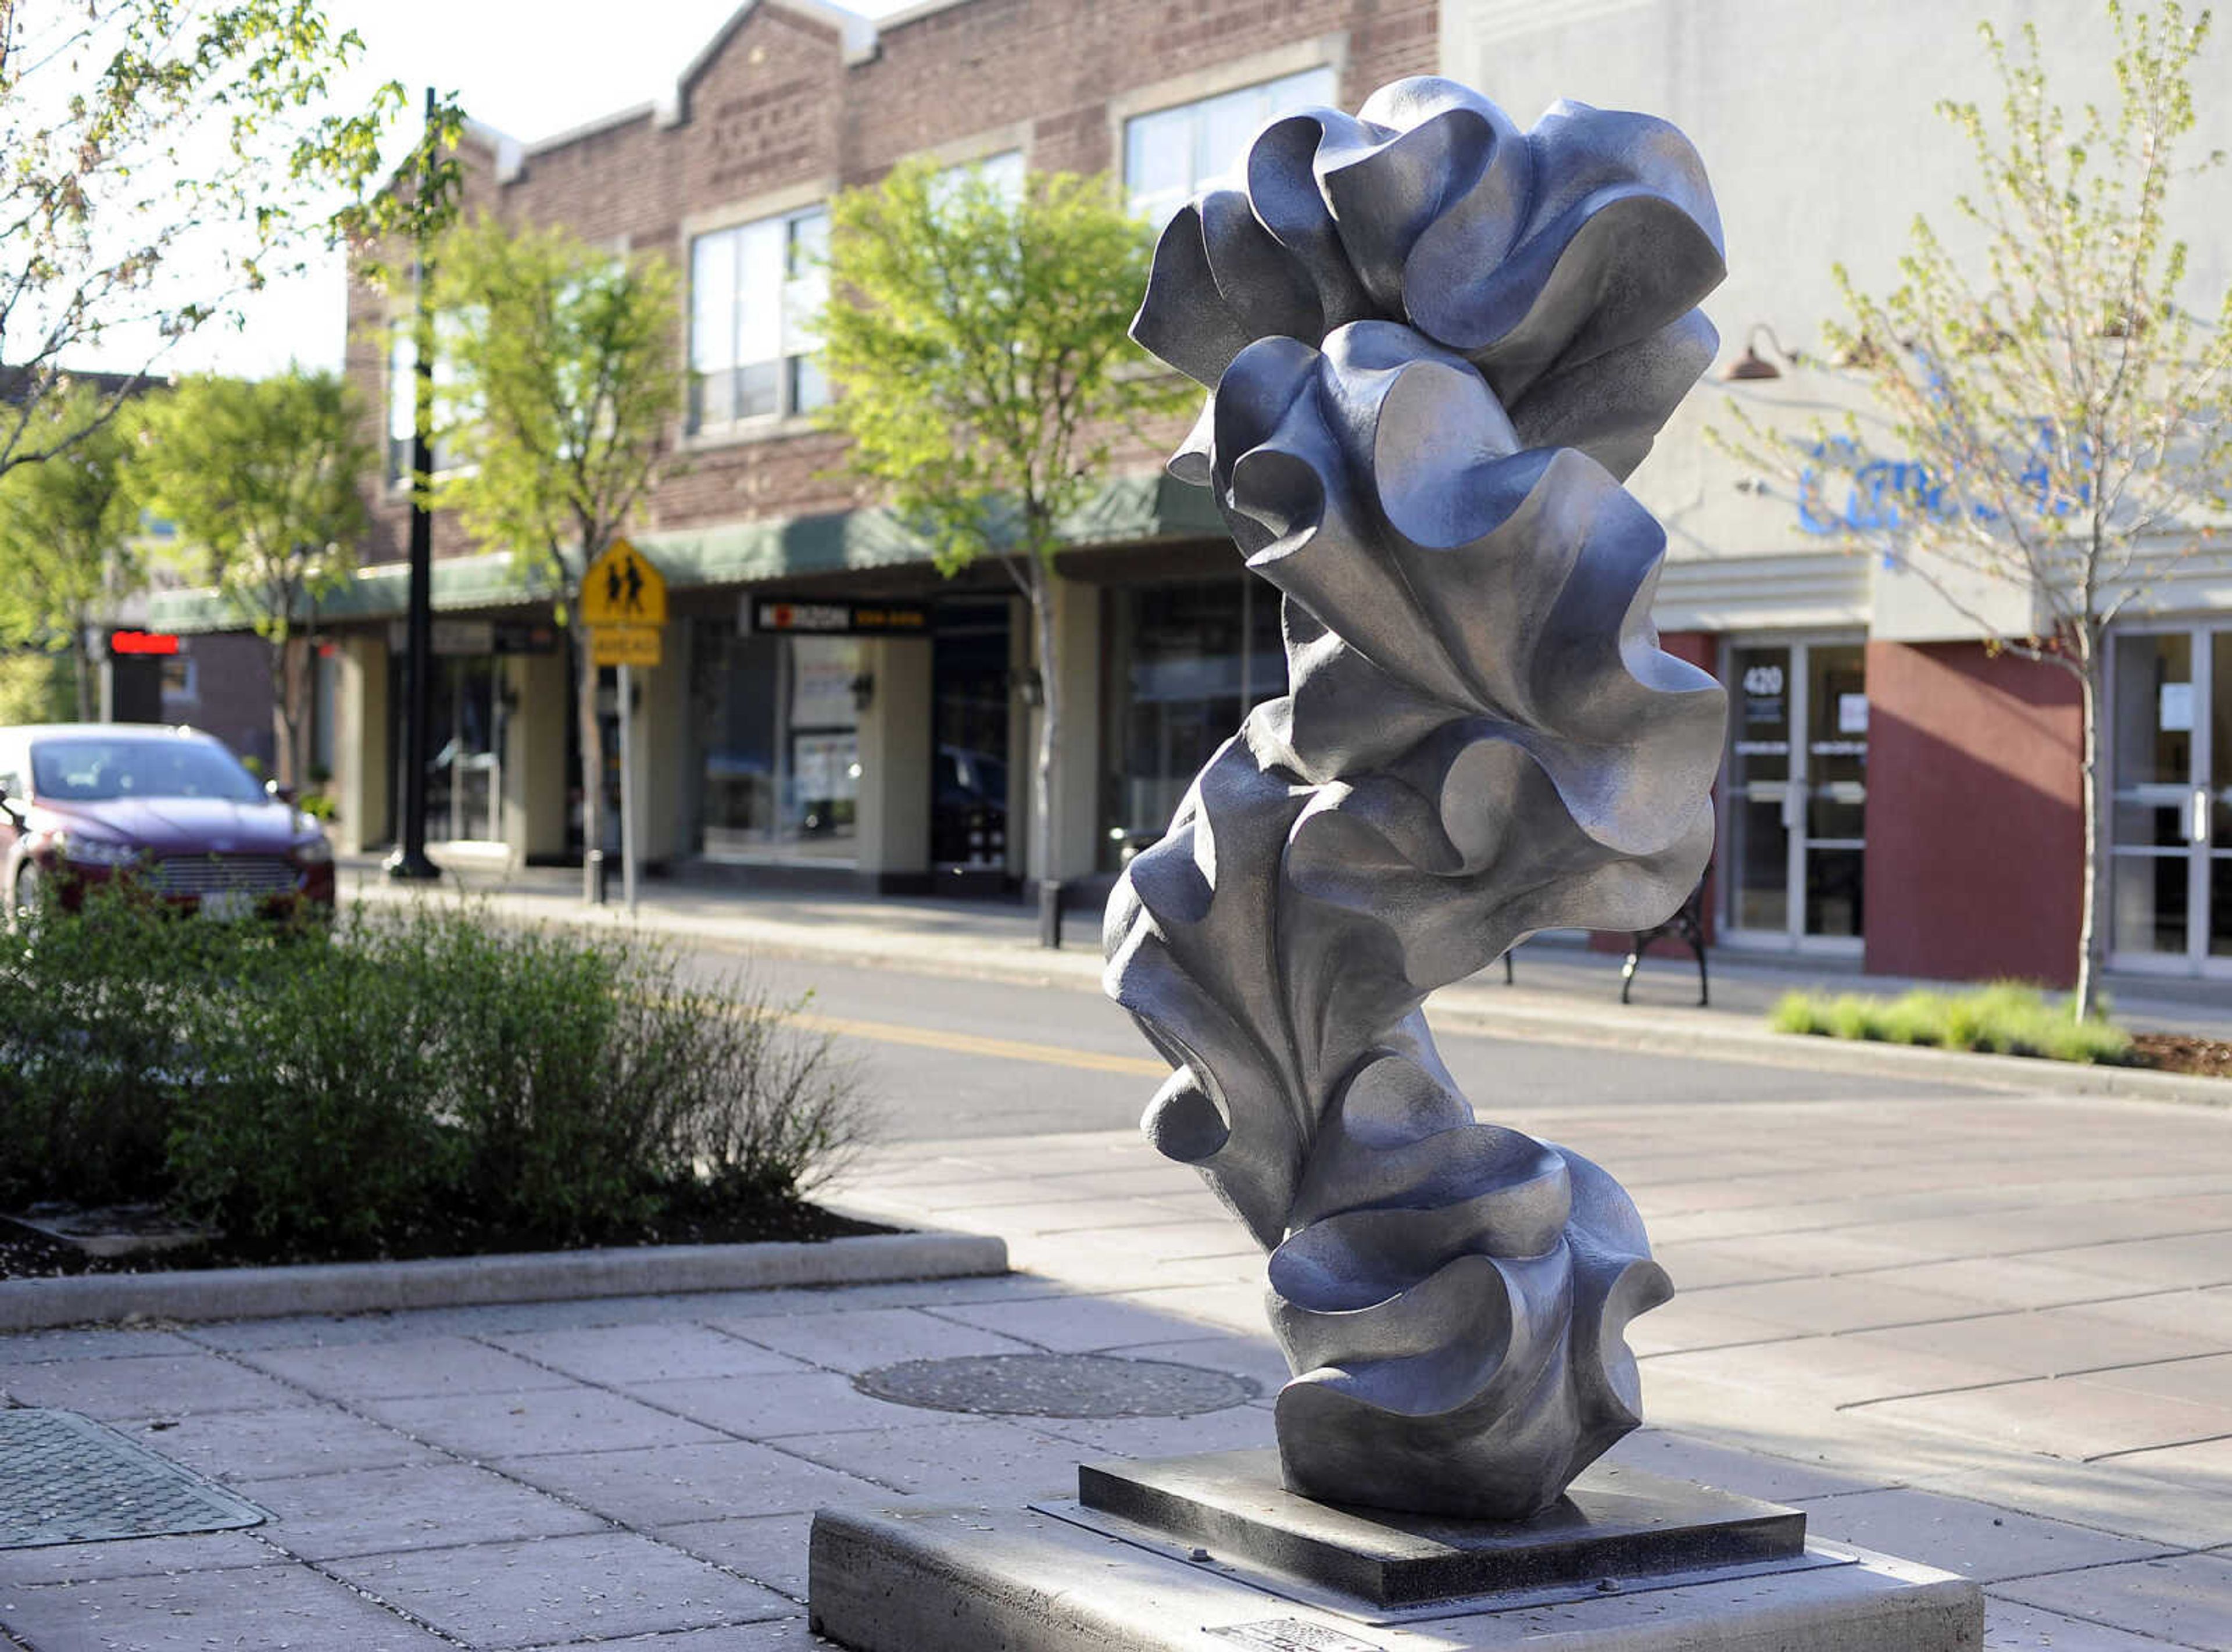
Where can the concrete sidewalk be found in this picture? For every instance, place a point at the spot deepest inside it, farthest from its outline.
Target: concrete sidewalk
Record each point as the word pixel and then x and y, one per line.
pixel 1991 1332
pixel 999 939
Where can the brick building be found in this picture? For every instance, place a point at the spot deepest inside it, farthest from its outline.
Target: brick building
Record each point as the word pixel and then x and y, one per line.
pixel 1896 795
pixel 895 763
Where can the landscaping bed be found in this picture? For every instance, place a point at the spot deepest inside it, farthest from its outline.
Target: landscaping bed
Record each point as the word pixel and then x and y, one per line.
pixel 2203 1057
pixel 2003 1018
pixel 415 1084
pixel 25 1252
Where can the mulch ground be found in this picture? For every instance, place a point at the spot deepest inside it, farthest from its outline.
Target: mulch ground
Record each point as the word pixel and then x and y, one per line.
pixel 2206 1058
pixel 27 1254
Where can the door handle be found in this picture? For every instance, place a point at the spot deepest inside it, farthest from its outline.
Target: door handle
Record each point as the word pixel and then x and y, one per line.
pixel 1793 805
pixel 2197 820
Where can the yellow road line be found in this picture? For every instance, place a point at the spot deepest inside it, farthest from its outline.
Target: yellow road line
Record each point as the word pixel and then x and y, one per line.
pixel 968 1044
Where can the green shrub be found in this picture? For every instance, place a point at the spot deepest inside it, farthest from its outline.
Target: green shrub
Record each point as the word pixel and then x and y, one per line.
pixel 2008 1017
pixel 97 1018
pixel 34 687
pixel 1796 1012
pixel 345 1094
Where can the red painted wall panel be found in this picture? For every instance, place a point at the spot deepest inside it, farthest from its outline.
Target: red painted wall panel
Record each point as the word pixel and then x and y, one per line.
pixel 1976 836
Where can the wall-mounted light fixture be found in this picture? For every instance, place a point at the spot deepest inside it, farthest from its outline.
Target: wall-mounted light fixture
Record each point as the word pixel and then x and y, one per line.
pixel 1030 685
pixel 1752 365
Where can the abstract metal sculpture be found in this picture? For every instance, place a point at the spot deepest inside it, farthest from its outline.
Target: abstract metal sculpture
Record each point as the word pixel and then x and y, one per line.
pixel 1435 344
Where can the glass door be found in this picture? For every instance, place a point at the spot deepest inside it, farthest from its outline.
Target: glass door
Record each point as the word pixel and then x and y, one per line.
pixel 1794 845
pixel 970 692
pixel 2169 814
pixel 1761 795
pixel 464 778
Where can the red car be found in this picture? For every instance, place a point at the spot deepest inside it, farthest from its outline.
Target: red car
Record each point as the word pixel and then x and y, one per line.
pixel 170 808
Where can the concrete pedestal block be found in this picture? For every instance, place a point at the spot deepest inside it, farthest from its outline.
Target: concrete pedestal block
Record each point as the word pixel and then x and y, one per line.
pixel 1620 1567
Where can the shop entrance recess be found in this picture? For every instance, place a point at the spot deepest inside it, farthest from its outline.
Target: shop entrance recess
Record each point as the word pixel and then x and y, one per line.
pixel 1795 810
pixel 2170 811
pixel 972 684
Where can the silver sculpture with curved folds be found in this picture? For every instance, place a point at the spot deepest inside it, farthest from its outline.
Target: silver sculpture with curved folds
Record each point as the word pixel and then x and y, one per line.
pixel 1434 344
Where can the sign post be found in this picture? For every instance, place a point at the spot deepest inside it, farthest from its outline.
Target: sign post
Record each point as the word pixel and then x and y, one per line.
pixel 624 604
pixel 628 786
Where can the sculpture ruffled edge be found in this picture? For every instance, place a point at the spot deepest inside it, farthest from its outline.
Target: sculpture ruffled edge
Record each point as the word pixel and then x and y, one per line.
pixel 1429 207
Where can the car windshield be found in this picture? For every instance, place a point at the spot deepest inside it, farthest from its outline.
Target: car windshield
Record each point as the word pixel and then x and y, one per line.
pixel 93 770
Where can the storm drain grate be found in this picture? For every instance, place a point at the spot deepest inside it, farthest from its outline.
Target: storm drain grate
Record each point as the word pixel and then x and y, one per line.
pixel 66 1478
pixel 1057 1385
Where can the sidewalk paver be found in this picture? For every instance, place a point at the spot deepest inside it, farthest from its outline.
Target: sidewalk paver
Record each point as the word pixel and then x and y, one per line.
pixel 604 1586
pixel 485 1427
pixel 425 1506
pixel 273 1606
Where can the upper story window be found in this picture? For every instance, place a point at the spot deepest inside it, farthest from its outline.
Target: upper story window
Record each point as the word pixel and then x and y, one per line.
pixel 755 290
pixel 1002 173
pixel 1172 155
pixel 402 393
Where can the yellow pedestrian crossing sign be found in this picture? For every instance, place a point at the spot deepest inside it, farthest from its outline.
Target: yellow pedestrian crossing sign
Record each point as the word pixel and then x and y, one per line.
pixel 623 588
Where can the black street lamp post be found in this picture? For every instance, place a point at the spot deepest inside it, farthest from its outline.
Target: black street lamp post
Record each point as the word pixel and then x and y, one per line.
pixel 409 861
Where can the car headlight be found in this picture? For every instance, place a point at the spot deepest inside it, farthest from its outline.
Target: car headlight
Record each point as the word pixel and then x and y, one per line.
pixel 94 852
pixel 313 851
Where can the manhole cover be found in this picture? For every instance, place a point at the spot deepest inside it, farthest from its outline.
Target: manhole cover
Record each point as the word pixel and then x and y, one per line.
pixel 1057 1385
pixel 65 1478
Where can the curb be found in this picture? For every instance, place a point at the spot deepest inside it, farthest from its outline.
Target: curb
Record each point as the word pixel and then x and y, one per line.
pixel 1657 1035
pixel 477 1281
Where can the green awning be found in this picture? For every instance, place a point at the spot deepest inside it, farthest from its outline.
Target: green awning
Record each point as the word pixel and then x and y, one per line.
pixel 1129 510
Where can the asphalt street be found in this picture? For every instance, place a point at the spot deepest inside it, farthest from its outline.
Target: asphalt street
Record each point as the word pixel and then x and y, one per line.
pixel 947 1057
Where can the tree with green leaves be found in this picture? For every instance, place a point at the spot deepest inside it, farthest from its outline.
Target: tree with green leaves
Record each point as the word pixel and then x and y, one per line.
pixel 263 480
pixel 2046 430
pixel 66 532
pixel 164 159
pixel 975 341
pixel 564 387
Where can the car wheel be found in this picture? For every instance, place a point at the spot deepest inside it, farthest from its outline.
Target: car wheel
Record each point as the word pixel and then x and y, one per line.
pixel 28 899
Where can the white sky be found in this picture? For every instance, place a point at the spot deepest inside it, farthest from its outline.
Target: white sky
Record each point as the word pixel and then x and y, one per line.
pixel 527 68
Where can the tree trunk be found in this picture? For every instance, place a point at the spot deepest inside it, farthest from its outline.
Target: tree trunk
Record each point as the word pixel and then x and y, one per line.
pixel 593 750
pixel 1050 664
pixel 291 712
pixel 2088 921
pixel 81 674
pixel 284 713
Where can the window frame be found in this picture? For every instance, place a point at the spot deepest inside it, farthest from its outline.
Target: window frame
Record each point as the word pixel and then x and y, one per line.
pixel 1167 201
pixel 442 458
pixel 788 362
pixel 1327 51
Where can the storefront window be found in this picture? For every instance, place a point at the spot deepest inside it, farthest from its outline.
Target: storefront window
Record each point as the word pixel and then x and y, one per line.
pixel 1186 663
pixel 779 745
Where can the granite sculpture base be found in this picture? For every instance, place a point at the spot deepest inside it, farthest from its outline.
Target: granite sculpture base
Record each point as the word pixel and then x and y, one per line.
pixel 1211 1554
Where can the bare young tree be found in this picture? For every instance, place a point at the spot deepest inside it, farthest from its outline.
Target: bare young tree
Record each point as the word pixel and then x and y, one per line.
pixel 164 160
pixel 2047 431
